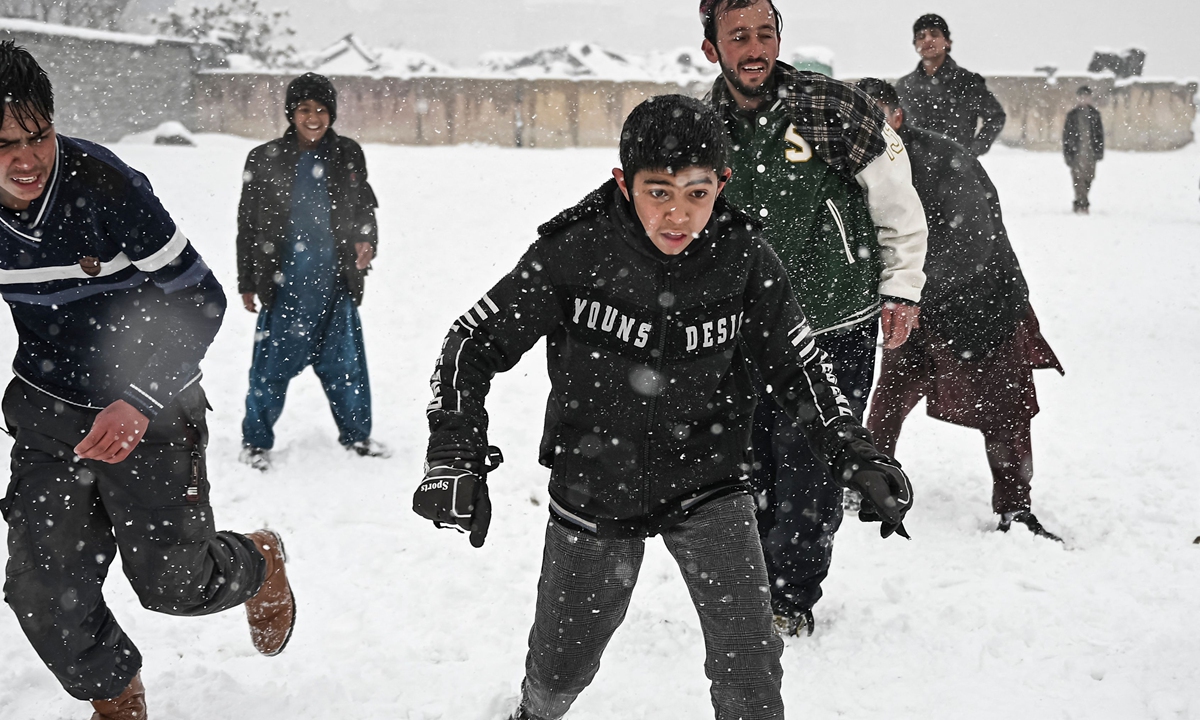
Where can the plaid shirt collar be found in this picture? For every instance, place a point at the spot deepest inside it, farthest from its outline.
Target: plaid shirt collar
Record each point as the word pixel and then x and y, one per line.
pixel 843 125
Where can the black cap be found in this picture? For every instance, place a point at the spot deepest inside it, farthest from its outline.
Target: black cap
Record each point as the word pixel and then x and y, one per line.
pixel 1083 90
pixel 929 21
pixel 311 86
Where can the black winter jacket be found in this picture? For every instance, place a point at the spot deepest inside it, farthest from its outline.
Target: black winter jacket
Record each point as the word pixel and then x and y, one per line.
pixel 951 102
pixel 974 291
pixel 648 355
pixel 264 213
pixel 1071 139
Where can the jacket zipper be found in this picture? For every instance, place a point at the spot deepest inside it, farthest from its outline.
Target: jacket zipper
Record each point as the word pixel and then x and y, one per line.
pixel 658 365
pixel 837 218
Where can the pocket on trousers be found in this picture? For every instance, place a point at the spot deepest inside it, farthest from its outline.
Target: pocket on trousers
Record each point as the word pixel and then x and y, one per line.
pixel 20 546
pixel 181 524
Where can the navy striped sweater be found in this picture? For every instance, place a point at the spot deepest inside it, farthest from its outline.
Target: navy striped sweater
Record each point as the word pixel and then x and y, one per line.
pixel 109 298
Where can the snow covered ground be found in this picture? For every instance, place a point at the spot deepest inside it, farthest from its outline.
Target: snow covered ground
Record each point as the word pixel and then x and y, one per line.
pixel 399 620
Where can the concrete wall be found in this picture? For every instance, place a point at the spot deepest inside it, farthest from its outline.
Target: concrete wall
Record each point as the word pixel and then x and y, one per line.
pixel 111 84
pixel 1138 115
pixel 1145 116
pixel 434 111
pixel 108 85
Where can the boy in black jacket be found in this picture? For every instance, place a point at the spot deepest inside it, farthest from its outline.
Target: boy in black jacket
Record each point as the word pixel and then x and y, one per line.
pixel 654 295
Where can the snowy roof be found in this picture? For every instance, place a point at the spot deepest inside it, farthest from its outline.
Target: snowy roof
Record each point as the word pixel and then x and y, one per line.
pixel 813 53
pixel 589 61
pixel 576 60
pixel 682 65
pixel 32 26
pixel 348 56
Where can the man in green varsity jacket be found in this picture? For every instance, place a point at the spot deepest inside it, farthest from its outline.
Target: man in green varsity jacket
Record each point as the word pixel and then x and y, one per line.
pixel 816 162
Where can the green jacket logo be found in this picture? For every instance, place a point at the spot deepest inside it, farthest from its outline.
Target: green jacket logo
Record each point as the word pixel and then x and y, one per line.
pixel 800 151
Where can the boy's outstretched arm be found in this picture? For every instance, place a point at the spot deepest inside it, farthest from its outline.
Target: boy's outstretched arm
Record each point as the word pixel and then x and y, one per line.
pixel 799 375
pixel 487 339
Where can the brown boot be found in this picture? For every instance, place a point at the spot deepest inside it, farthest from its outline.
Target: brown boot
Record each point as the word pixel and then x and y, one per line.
pixel 129 705
pixel 272 610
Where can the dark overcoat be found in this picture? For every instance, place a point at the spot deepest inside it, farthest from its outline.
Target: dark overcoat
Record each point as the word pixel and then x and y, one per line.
pixel 264 213
pixel 953 102
pixel 1072 140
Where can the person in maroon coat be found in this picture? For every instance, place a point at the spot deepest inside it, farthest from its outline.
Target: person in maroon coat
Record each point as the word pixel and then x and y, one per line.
pixel 973 355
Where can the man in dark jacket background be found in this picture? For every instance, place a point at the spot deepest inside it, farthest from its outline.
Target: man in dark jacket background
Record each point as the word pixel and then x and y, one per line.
pixel 306 238
pixel 1083 146
pixel 973 354
pixel 945 98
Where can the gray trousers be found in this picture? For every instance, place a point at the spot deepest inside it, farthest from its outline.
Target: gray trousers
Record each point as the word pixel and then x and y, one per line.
pixel 68 518
pixel 584 591
pixel 1083 172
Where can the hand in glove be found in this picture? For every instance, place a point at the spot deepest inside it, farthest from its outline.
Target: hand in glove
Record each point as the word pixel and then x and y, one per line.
pixel 454 494
pixel 885 489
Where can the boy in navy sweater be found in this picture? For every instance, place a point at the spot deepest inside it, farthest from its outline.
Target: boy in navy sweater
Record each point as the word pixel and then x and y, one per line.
pixel 114 309
pixel 654 295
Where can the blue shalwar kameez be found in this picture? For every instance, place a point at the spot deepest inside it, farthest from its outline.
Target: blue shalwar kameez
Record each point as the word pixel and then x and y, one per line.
pixel 313 321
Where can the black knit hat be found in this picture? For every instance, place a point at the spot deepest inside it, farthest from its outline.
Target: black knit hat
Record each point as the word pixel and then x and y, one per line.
pixel 930 21
pixel 311 86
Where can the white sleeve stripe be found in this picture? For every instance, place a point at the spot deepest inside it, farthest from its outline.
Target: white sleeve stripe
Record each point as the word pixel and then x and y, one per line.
pixel 816 401
pixel 491 305
pixel 146 395
pixel 21 276
pixel 165 255
pixel 454 378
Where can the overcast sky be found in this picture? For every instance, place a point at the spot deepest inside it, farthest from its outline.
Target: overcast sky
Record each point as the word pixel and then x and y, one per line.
pixel 866 36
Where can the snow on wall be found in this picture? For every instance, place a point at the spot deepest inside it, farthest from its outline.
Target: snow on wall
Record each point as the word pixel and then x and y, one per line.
pixel 67 31
pixel 108 85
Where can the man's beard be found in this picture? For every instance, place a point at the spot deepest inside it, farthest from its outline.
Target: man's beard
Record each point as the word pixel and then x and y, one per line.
pixel 731 77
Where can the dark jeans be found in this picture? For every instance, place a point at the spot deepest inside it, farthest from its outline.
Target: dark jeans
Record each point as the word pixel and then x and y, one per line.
pixel 585 587
pixel 289 339
pixel 800 506
pixel 68 518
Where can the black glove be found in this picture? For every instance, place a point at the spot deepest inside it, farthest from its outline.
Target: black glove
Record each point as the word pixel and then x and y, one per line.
pixel 885 489
pixel 454 494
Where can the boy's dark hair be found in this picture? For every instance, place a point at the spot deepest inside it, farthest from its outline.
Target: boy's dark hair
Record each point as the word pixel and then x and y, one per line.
pixel 880 91
pixel 673 132
pixel 710 9
pixel 931 21
pixel 25 89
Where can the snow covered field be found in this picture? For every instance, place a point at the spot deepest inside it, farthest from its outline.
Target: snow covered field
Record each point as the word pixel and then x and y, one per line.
pixel 398 620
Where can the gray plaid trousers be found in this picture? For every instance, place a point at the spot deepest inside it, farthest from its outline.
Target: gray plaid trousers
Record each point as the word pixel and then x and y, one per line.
pixel 584 591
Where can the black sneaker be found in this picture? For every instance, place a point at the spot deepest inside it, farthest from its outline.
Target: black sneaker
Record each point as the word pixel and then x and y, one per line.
pixel 370 448
pixel 792 624
pixel 257 458
pixel 1027 519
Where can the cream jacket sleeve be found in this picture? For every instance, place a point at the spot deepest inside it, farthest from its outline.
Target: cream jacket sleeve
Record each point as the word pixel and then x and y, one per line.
pixel 899 220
